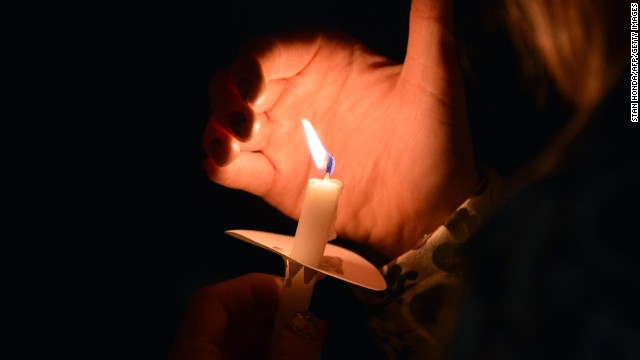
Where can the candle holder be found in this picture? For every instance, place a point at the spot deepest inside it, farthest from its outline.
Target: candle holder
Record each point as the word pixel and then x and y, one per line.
pixel 300 277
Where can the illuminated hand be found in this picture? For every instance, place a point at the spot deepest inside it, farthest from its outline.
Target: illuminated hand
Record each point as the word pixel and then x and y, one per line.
pixel 398 132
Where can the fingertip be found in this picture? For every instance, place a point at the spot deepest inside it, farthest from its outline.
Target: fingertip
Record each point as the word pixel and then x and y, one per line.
pixel 219 146
pixel 240 124
pixel 211 169
pixel 223 151
pixel 208 166
pixel 244 87
pixel 249 171
pixel 248 78
pixel 229 108
pixel 250 86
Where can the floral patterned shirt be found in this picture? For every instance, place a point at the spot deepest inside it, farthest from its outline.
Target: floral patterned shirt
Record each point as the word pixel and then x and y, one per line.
pixel 416 315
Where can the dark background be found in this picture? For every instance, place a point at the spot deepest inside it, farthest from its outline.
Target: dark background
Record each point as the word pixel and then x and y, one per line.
pixel 110 222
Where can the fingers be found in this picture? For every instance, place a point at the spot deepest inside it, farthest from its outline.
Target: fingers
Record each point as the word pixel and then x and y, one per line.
pixel 241 94
pixel 270 58
pixel 211 309
pixel 430 42
pixel 250 171
pixel 228 109
pixel 223 148
pixel 220 146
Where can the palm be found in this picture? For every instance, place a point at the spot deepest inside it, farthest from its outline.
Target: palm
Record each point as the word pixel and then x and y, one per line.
pixel 401 146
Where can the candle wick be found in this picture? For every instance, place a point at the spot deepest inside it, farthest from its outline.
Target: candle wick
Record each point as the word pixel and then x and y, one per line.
pixel 331 165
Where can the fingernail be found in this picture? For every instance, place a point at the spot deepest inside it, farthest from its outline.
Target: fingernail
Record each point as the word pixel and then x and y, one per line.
pixel 218 152
pixel 244 86
pixel 239 124
pixel 304 324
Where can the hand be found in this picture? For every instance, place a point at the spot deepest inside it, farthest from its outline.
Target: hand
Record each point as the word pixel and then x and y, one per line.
pixel 398 132
pixel 234 319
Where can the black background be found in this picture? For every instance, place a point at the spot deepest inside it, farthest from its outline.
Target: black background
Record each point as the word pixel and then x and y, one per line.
pixel 110 222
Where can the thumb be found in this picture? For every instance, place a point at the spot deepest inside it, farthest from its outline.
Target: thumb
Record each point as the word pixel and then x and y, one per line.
pixel 430 47
pixel 302 339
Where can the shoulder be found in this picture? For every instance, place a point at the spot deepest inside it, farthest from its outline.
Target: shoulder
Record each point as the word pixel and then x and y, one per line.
pixel 554 269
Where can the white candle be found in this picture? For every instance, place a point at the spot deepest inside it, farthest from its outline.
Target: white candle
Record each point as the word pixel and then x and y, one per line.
pixel 315 226
pixel 315 229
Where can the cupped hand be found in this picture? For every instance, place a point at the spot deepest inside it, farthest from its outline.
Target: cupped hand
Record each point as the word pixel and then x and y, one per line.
pixel 398 132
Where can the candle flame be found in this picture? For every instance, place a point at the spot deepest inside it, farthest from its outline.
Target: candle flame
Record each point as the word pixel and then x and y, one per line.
pixel 321 157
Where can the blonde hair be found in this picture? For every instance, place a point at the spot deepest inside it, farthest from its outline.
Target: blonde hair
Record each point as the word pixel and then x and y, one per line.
pixel 580 43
